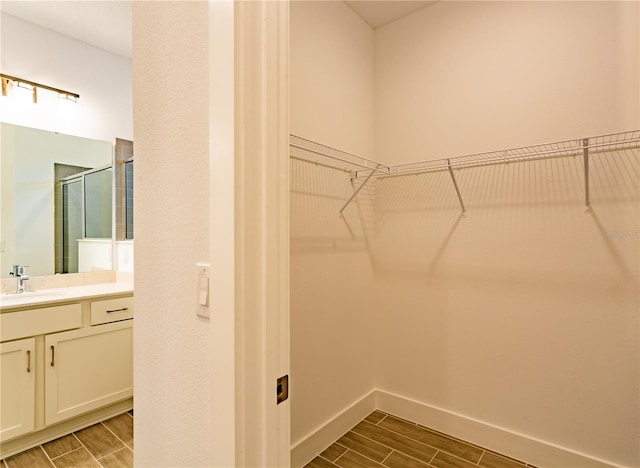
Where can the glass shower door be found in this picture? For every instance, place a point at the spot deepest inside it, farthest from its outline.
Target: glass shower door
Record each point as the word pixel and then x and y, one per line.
pixel 87 200
pixel 72 224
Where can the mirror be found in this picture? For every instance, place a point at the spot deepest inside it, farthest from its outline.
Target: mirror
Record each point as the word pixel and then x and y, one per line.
pixel 33 163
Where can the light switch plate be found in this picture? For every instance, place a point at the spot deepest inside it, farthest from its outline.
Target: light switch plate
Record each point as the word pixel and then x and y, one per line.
pixel 202 290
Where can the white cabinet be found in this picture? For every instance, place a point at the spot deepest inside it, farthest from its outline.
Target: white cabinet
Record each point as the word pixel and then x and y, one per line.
pixel 111 310
pixel 17 388
pixel 63 366
pixel 87 368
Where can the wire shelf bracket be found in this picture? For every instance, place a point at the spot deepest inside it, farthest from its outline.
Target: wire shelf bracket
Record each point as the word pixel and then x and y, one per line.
pixel 355 194
pixel 455 185
pixel 585 155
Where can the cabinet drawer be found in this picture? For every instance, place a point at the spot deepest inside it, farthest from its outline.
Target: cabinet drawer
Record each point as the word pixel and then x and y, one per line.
pixel 111 310
pixel 24 323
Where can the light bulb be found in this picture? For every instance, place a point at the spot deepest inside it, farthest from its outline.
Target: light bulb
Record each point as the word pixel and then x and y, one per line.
pixel 67 106
pixel 23 96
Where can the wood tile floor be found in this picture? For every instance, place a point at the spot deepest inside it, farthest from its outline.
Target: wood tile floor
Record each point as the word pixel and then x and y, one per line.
pixel 383 440
pixel 108 444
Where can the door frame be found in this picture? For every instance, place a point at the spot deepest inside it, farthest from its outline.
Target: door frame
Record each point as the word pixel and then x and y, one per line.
pixel 249 210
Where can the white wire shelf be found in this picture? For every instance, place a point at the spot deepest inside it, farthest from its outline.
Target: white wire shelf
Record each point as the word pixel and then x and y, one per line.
pixel 363 168
pixel 561 149
pixel 302 149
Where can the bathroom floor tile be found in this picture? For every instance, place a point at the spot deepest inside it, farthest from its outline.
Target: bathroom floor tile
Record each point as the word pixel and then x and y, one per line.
pixel 99 441
pixel 121 459
pixel 34 457
pixel 78 458
pixel 60 446
pixel 122 427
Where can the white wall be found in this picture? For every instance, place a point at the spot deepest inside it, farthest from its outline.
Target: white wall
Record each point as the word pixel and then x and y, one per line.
pixel 466 77
pixel 172 345
pixel 332 334
pixel 524 315
pixel 102 79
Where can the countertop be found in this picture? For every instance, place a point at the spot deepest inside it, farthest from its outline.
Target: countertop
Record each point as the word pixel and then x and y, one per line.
pixel 60 295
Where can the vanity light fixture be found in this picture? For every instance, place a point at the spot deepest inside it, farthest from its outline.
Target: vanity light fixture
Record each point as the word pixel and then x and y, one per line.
pixel 25 93
pixel 67 105
pixel 9 82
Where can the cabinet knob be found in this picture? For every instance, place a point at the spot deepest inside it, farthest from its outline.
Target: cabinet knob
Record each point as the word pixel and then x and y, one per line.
pixel 53 354
pixel 28 360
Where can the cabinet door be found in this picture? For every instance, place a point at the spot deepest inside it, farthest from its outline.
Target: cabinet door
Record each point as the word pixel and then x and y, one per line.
pixel 88 368
pixel 17 388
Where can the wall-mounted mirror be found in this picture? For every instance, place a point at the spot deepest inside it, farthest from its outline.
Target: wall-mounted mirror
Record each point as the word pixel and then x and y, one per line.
pixel 51 185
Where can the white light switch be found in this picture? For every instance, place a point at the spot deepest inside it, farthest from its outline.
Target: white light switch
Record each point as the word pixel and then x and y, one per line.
pixel 203 287
pixel 202 290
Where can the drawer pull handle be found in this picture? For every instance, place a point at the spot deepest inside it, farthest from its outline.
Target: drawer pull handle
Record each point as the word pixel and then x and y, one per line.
pixel 53 351
pixel 117 310
pixel 28 360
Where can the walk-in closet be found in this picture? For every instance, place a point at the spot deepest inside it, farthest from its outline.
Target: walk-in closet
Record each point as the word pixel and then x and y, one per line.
pixel 464 222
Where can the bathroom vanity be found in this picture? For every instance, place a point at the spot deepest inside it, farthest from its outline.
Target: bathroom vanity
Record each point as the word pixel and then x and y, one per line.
pixel 66 361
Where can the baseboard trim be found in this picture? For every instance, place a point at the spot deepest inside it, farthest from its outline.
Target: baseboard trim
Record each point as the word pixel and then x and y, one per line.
pixel 519 446
pixel 308 447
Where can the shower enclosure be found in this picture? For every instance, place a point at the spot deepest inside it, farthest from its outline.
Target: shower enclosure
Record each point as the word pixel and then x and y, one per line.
pixel 84 211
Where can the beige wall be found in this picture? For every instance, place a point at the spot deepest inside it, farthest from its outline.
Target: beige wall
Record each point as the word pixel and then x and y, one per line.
pixel 172 345
pixel 331 66
pixel 332 82
pixel 466 77
pixel 523 315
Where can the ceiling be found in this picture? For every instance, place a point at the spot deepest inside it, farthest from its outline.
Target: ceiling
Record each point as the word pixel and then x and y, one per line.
pixel 102 23
pixel 107 23
pixel 381 12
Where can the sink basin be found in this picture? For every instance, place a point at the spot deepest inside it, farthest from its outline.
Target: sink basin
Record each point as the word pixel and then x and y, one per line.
pixel 29 297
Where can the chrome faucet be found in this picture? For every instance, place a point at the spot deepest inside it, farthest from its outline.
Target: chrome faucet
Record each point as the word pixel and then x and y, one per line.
pixel 19 272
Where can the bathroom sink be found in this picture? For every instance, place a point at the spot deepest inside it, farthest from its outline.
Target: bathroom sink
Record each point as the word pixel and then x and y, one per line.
pixel 30 297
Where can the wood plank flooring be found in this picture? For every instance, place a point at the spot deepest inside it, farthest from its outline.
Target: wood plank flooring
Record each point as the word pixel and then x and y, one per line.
pixel 108 444
pixel 383 440
pixel 380 440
